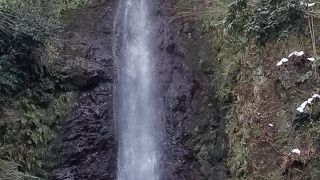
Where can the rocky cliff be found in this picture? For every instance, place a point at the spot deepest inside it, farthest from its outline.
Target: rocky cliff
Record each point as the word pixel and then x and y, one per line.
pixel 195 145
pixel 87 145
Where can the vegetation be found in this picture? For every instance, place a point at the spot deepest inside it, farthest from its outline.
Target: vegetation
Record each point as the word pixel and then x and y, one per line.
pixel 31 102
pixel 261 21
pixel 248 39
pixel 28 130
pixel 266 20
pixel 24 26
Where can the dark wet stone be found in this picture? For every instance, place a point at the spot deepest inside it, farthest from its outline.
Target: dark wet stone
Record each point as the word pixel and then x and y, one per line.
pixel 170 48
pixel 87 146
pixel 185 93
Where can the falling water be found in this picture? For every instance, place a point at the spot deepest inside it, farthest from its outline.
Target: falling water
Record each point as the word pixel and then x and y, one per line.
pixel 136 120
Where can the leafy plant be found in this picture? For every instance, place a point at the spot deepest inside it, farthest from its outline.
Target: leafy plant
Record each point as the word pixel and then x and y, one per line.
pixel 272 19
pixel 24 26
pixel 28 126
pixel 28 130
pixel 72 4
pixel 238 15
pixel 265 20
pixel 9 170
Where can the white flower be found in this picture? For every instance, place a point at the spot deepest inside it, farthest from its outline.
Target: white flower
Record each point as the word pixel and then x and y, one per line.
pixel 311 59
pixel 297 151
pixel 271 125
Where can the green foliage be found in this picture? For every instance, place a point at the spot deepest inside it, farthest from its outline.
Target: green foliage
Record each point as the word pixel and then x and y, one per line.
pixel 33 19
pixel 29 122
pixel 27 131
pixel 233 34
pixel 24 26
pixel 239 13
pixel 9 171
pixel 73 4
pixel 304 77
pixel 22 134
pixel 272 19
pixel 11 79
pixel 263 21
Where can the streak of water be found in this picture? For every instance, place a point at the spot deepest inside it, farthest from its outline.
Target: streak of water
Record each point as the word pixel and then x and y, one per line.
pixel 136 119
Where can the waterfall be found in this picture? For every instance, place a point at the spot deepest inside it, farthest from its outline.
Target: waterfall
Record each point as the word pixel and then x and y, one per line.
pixel 136 116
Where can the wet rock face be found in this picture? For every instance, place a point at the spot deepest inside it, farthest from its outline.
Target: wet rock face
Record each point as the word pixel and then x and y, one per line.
pixel 176 81
pixel 195 147
pixel 87 145
pixel 85 57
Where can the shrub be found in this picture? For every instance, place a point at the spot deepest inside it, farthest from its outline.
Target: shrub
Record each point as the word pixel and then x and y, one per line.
pixel 28 126
pixel 265 20
pixel 11 78
pixel 25 25
pixel 274 19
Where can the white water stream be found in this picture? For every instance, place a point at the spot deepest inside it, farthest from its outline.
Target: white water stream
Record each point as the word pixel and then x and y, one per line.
pixel 136 120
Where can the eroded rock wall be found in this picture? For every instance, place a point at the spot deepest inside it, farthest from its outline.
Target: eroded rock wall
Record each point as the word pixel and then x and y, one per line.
pixel 87 143
pixel 196 142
